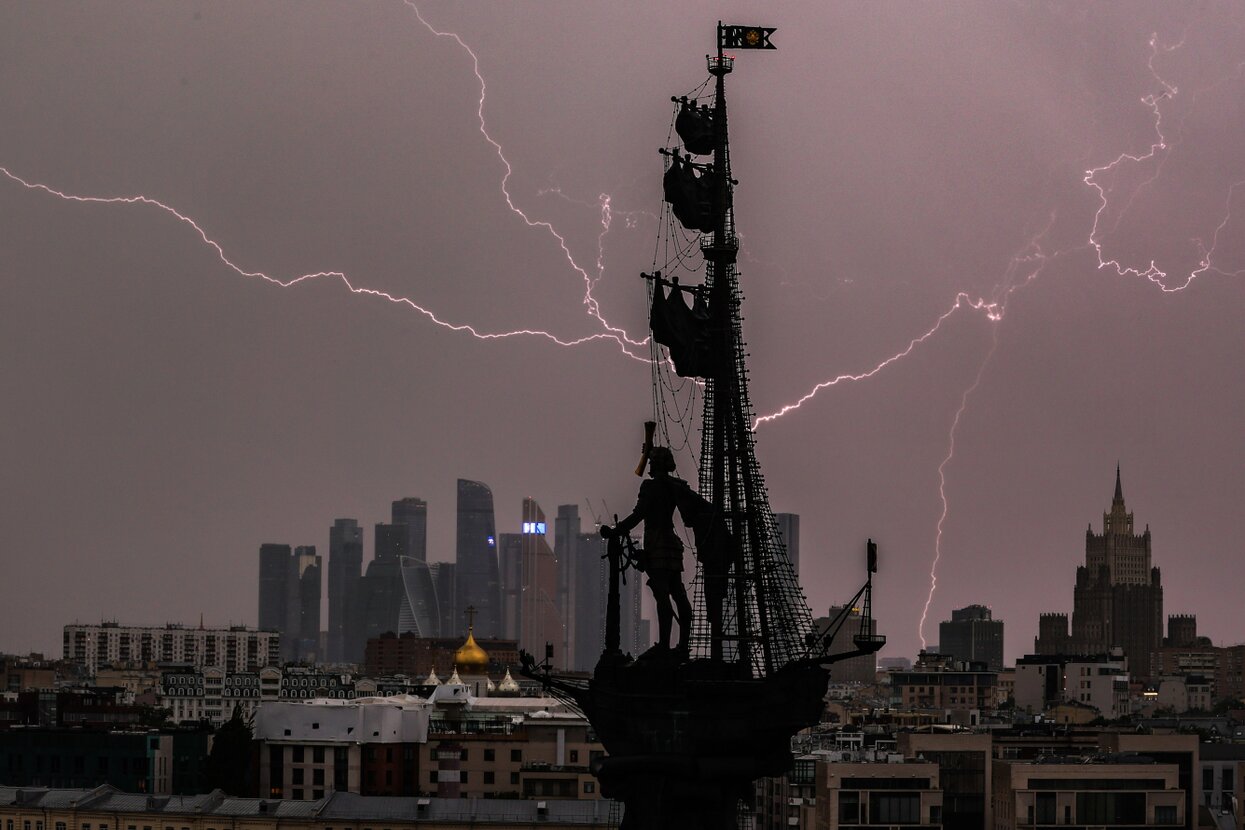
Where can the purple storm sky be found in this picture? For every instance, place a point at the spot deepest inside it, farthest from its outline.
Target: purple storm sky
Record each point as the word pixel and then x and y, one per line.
pixel 163 414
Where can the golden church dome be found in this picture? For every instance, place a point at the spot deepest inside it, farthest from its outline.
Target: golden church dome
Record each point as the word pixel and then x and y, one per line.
pixel 470 658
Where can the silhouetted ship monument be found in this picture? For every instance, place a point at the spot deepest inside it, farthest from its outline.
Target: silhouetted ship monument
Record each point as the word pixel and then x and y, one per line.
pixel 689 726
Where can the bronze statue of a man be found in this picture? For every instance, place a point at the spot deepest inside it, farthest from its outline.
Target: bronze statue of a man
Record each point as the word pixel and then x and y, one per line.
pixel 662 558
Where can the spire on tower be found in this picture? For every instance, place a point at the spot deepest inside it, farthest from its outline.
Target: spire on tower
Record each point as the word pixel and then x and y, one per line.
pixel 1119 491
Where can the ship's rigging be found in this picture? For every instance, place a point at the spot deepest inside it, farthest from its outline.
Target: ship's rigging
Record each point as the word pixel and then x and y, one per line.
pixel 687 732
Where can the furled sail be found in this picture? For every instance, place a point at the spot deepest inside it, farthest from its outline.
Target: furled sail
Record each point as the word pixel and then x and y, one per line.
pixel 683 330
pixel 690 195
pixel 695 127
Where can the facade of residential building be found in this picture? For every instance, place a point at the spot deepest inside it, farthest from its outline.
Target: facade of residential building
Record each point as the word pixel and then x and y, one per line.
pixel 964 774
pixel 236 648
pixel 1222 783
pixel 105 808
pixel 1099 681
pixel 940 683
pixel 451 744
pixel 1110 793
pixel 855 796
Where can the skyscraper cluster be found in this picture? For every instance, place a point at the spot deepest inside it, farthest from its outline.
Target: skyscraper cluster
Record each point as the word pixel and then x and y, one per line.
pixel 518 585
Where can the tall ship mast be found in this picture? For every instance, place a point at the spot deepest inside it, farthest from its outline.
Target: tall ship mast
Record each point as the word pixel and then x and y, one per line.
pixel 689 728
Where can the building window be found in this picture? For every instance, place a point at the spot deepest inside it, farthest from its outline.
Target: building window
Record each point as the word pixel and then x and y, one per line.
pixel 849 808
pixel 432 776
pixel 317 755
pixel 516 755
pixel 489 755
pixel 514 778
pixel 299 755
pixel 488 777
pixel 298 795
pixel 894 808
pixel 1045 808
pixel 590 786
pixel 1165 814
pixel 317 776
pixel 297 779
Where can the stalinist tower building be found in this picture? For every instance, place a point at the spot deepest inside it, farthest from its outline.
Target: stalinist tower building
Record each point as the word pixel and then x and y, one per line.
pixel 1118 599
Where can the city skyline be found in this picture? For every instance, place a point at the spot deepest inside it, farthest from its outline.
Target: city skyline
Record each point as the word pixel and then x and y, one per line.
pixel 167 414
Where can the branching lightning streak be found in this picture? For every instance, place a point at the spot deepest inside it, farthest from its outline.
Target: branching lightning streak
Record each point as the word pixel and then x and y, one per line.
pixel 942 479
pixel 612 333
pixel 605 204
pixel 286 283
pixel 992 309
pixel 1162 145
pixel 590 302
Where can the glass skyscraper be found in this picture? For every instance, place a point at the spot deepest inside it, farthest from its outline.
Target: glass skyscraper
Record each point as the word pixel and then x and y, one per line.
pixel 477 583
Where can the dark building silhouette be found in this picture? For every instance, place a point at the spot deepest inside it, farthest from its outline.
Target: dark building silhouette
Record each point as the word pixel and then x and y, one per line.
pixel 583 580
pixel 419 611
pixel 860 669
pixel 540 618
pixel 274 571
pixel 413 513
pixel 972 634
pixel 476 578
pixel 510 570
pixel 302 613
pixel 381 590
pixel 289 598
pixel 1181 631
pixel 789 533
pixel 566 529
pixel 530 587
pixel 1118 598
pixel 445 583
pixel 345 568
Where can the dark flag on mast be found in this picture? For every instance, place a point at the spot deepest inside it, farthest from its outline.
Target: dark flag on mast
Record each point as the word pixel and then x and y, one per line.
pixel 745 37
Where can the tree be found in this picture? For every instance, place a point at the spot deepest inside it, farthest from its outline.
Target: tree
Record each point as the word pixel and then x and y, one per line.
pixel 229 762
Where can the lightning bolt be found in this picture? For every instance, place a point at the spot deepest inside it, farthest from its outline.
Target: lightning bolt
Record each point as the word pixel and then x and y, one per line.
pixel 993 310
pixel 593 307
pixel 626 344
pixel 942 479
pixel 605 205
pixel 1159 152
pixel 622 343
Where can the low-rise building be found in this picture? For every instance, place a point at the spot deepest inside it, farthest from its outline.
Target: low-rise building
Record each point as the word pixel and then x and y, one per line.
pixel 854 795
pixel 451 744
pixel 104 808
pixel 944 684
pixel 1222 782
pixel 1045 680
pixel 141 761
pixel 1105 791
